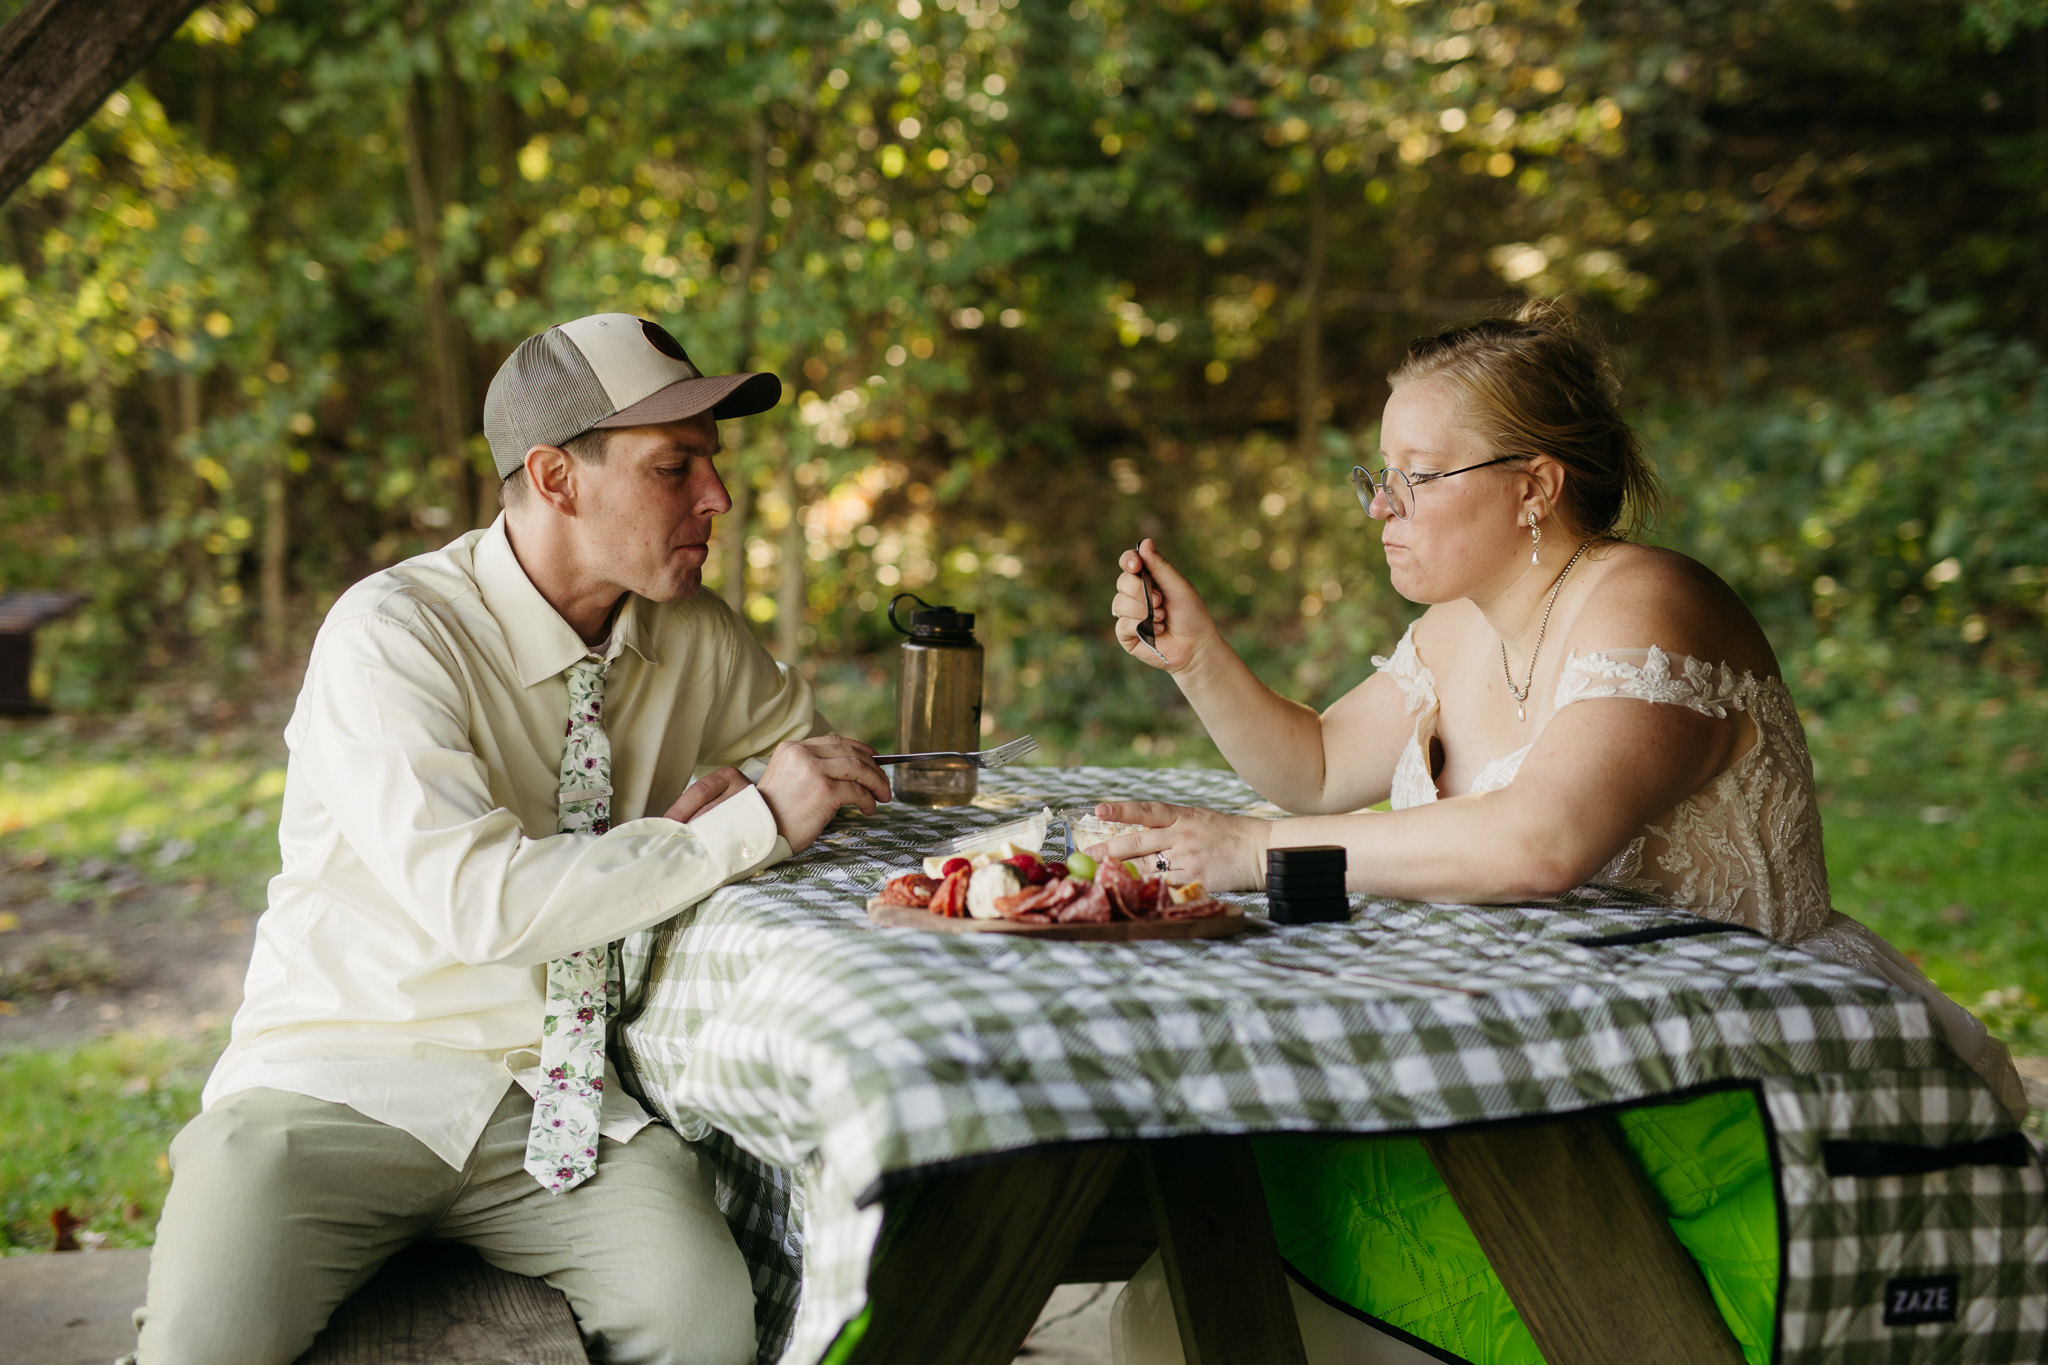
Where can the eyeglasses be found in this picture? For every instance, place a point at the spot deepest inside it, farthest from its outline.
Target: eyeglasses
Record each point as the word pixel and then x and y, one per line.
pixel 1399 488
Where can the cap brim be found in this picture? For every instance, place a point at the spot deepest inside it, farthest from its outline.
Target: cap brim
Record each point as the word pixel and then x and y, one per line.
pixel 722 395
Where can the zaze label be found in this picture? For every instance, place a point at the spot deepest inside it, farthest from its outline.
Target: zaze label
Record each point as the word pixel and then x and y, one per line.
pixel 1928 1298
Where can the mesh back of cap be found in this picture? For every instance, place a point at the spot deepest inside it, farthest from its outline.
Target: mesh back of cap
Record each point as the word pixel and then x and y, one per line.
pixel 543 395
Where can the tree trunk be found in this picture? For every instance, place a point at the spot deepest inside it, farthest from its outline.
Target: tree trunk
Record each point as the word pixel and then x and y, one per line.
pixel 499 136
pixel 1308 419
pixel 276 543
pixel 59 60
pixel 733 549
pixel 1712 304
pixel 126 485
pixel 2038 41
pixel 791 595
pixel 450 379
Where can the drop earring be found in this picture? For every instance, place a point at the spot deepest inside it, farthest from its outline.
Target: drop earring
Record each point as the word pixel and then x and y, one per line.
pixel 1535 537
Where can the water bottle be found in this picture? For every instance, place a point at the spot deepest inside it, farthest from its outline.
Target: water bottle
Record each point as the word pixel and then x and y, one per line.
pixel 938 703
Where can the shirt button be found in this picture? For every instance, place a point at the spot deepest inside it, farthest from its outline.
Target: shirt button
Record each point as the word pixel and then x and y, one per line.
pixel 651 907
pixel 746 851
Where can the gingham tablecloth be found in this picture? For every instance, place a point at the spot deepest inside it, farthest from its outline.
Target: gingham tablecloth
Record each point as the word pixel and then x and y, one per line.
pixel 818 1057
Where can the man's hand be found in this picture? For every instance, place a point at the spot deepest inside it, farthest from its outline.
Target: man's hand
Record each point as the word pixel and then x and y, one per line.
pixel 708 791
pixel 808 780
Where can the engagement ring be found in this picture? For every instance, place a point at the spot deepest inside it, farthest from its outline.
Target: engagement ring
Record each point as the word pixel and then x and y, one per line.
pixel 1159 862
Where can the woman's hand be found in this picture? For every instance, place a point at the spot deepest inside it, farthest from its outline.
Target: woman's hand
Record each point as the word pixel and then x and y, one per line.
pixel 1181 622
pixel 1222 852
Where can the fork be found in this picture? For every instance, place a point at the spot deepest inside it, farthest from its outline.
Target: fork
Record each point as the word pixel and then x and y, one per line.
pixel 987 758
pixel 1147 631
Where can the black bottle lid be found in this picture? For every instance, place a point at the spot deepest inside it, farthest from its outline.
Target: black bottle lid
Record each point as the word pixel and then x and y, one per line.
pixel 933 623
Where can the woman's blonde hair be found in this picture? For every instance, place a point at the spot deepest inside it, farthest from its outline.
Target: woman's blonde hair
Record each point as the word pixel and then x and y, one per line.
pixel 1537 383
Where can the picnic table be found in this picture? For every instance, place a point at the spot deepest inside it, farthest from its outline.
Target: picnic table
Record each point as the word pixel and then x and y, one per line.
pixel 863 1088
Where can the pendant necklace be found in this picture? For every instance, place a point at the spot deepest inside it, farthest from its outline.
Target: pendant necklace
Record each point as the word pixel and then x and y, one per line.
pixel 1521 694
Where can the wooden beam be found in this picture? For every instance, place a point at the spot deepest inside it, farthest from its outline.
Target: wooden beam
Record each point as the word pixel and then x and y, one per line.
pixel 59 59
pixel 1581 1243
pixel 968 1258
pixel 1222 1263
pixel 1120 1237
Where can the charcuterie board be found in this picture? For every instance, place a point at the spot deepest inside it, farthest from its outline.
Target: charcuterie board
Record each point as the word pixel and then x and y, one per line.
pixel 1115 931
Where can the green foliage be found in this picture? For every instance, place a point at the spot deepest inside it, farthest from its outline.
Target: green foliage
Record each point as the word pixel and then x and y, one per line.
pixel 1897 551
pixel 89 1129
pixel 1000 249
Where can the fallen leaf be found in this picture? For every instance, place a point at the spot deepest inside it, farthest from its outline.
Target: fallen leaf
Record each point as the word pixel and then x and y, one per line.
pixel 9 920
pixel 64 1229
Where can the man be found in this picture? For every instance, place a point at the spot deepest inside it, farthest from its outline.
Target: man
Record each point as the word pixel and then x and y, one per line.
pixel 480 733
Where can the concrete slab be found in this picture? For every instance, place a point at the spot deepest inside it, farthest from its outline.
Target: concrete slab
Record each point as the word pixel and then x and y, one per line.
pixel 1074 1328
pixel 73 1307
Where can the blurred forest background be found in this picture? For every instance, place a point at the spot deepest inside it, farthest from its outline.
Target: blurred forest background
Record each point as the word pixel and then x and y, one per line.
pixel 1044 276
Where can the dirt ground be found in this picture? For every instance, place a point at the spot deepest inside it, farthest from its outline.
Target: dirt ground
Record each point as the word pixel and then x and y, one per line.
pixel 93 949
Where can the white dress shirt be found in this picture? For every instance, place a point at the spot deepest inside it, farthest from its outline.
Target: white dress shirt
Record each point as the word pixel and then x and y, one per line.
pixel 401 966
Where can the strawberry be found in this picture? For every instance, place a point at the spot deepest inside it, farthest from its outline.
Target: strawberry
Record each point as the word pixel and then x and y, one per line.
pixel 1032 871
pixel 953 865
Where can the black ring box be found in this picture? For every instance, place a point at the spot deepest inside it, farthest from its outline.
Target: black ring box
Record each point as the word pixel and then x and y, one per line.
pixel 1307 855
pixel 1297 882
pixel 1306 885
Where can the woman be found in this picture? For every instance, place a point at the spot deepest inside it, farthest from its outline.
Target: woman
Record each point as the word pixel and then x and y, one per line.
pixel 1571 708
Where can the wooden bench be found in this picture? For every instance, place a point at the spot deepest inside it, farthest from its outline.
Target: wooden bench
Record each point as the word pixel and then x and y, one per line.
pixel 433 1304
pixel 429 1304
pixel 20 614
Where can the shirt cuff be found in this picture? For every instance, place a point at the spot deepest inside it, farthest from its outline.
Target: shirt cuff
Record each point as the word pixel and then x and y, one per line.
pixel 741 830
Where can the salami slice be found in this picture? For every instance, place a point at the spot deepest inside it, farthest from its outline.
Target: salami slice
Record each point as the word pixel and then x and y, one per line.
pixel 1126 893
pixel 912 889
pixel 1089 906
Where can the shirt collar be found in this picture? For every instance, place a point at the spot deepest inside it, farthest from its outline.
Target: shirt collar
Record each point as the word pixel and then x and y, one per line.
pixel 541 642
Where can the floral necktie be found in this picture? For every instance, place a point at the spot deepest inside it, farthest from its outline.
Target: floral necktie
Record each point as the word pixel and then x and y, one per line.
pixel 561 1148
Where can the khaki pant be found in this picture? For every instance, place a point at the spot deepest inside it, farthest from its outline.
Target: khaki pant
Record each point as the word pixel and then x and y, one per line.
pixel 281 1206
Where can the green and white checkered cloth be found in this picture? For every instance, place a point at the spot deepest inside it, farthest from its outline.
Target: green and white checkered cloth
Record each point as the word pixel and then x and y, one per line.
pixel 820 1057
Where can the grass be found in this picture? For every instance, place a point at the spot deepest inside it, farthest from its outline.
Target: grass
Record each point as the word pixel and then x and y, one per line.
pixel 168 816
pixel 1963 898
pixel 89 1128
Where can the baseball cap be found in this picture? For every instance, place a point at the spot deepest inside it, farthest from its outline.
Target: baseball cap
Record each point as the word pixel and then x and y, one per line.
pixel 606 370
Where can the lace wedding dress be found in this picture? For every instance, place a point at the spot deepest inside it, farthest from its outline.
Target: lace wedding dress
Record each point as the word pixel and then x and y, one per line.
pixel 1746 848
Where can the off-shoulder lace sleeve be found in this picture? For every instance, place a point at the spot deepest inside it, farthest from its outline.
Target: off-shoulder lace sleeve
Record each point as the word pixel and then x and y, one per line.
pixel 1747 846
pixel 1649 675
pixel 1418 684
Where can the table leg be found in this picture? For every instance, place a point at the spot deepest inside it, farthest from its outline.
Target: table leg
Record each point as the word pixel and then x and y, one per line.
pixel 1581 1244
pixel 968 1258
pixel 1222 1263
